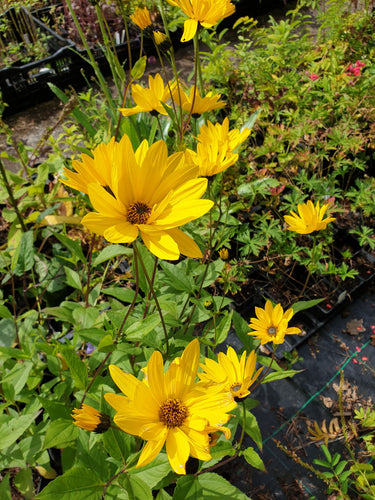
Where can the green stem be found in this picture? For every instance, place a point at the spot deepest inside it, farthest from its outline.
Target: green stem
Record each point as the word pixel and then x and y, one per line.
pixel 103 84
pixel 243 425
pixel 150 284
pixel 11 197
pixel 118 335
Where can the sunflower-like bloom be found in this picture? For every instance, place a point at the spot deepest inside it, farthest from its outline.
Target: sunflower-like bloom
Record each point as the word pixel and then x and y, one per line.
pixel 271 324
pixel 150 100
pixel 142 18
pixel 90 419
pixel 170 408
pixel 310 218
pixel 206 12
pixel 216 146
pixel 237 375
pixel 147 193
pixel 95 169
pixel 195 103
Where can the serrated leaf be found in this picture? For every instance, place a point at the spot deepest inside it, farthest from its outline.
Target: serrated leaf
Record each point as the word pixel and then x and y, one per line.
pixel 12 429
pixel 305 304
pixel 8 332
pixel 77 483
pixel 24 483
pixel 111 251
pixel 23 257
pixel 60 434
pixel 253 459
pixel 123 294
pixel 188 488
pixel 215 487
pixel 139 329
pixel 135 487
pixel 72 278
pixel 77 367
pixel 278 375
pixel 223 327
pixel 153 472
pixel 5 488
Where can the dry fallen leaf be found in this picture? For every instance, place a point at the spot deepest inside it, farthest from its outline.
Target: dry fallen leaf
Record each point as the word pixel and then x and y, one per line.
pixel 355 327
pixel 328 403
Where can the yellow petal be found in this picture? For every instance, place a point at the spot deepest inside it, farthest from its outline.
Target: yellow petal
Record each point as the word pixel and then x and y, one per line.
pixel 186 245
pixel 126 382
pixel 190 28
pixel 149 452
pixel 160 243
pixel 178 449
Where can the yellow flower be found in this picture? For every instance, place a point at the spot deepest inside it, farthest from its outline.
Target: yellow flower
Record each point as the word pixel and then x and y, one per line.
pixel 148 193
pixel 150 100
pixel 223 253
pixel 90 419
pixel 216 146
pixel 142 18
pixel 206 12
pixel 310 218
pixel 195 103
pixel 237 375
pixel 271 324
pixel 95 169
pixel 170 408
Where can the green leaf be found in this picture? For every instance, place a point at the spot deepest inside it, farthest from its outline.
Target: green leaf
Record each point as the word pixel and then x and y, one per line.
pixel 188 488
pixel 24 482
pixel 106 344
pixel 18 375
pixel 215 487
pixel 77 367
pixel 23 257
pixel 123 294
pixel 77 113
pixel 153 472
pixel 135 487
pixel 176 278
pixel 8 332
pixel 139 68
pixel 73 246
pixel 111 251
pixel 60 434
pixel 12 429
pixel 223 327
pixel 77 483
pixel 278 375
pixel 253 459
pixel 5 488
pixel 137 330
pixel 4 312
pixel 242 328
pixel 252 429
pixel 305 304
pixel 72 278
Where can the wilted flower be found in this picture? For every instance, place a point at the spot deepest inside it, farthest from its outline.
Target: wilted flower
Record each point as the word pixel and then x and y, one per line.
pixel 271 324
pixel 90 419
pixel 170 408
pixel 223 253
pixel 161 41
pixel 236 375
pixel 151 99
pixel 310 218
pixel 147 193
pixel 206 12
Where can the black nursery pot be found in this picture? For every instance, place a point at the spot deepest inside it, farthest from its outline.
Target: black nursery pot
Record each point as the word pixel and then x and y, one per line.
pixel 24 85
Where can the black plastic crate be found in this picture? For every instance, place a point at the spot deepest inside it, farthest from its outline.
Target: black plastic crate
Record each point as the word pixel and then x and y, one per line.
pixel 23 85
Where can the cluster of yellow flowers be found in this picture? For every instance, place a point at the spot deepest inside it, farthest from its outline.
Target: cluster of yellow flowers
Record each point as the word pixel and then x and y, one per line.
pixel 171 407
pixel 146 191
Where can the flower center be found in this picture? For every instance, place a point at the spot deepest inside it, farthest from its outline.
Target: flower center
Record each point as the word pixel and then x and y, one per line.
pixel 138 213
pixel 272 330
pixel 173 413
pixel 235 387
